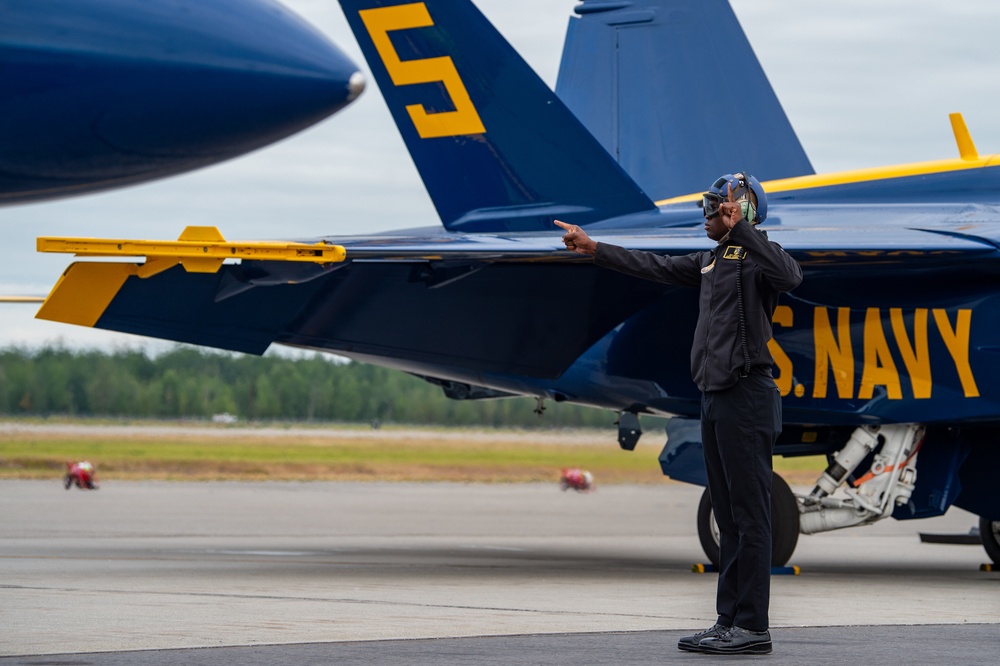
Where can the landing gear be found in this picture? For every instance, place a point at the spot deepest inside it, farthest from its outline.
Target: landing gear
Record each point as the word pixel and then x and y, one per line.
pixel 872 497
pixel 784 524
pixel 989 530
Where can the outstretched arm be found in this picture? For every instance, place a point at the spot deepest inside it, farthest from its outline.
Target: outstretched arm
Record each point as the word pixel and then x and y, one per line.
pixel 685 270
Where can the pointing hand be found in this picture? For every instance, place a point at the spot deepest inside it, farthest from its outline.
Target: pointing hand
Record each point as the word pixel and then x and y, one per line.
pixel 577 240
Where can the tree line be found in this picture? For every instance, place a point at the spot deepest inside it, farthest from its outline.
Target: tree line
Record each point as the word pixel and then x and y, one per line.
pixel 193 383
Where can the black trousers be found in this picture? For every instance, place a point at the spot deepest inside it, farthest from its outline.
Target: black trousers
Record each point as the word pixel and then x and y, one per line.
pixel 739 426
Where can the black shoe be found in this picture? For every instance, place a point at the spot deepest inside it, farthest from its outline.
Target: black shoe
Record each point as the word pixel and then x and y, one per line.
pixel 737 641
pixel 692 643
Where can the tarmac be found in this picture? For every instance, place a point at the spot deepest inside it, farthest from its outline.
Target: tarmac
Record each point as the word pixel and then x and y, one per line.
pixel 447 573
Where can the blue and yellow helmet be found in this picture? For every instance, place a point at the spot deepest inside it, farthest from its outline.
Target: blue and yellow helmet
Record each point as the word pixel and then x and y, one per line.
pixel 741 186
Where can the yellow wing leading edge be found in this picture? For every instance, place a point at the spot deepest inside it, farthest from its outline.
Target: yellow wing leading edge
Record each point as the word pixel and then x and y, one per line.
pixel 969 158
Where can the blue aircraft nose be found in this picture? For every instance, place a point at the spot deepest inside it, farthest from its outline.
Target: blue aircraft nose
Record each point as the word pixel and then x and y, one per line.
pixel 102 93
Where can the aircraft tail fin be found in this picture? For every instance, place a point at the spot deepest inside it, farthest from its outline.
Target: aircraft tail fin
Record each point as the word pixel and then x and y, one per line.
pixel 674 92
pixel 496 148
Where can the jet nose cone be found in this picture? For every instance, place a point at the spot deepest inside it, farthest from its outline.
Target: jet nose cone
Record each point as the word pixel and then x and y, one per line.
pixel 231 77
pixel 100 93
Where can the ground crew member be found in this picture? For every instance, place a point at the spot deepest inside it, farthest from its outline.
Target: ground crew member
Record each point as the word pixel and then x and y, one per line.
pixel 739 282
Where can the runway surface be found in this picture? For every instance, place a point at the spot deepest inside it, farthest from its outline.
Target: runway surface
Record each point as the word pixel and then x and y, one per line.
pixel 248 573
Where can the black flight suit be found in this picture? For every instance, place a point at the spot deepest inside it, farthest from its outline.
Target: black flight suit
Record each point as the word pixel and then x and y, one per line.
pixel 740 415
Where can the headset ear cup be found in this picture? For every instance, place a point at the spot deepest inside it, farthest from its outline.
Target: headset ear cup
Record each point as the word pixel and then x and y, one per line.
pixel 748 212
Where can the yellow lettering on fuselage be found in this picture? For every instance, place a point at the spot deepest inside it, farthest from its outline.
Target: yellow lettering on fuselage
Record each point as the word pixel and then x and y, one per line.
pixel 834 351
pixel 831 353
pixel 782 317
pixel 957 342
pixel 843 254
pixel 379 22
pixel 879 369
pixel 916 358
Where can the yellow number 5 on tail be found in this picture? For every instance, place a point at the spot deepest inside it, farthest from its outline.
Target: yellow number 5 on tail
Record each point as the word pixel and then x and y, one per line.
pixel 464 119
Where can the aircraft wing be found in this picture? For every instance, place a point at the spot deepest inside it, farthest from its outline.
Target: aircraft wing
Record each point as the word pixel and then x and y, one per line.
pixel 505 303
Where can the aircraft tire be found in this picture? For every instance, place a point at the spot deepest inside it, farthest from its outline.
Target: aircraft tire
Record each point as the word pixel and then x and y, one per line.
pixel 989 530
pixel 784 524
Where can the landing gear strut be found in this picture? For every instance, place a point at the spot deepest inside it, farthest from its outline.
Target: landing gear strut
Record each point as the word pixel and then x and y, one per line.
pixel 873 497
pixel 784 524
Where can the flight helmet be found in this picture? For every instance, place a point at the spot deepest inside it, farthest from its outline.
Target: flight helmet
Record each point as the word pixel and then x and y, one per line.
pixel 741 185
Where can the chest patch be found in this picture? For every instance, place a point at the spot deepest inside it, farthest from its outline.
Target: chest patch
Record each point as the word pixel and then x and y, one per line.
pixel 708 268
pixel 734 252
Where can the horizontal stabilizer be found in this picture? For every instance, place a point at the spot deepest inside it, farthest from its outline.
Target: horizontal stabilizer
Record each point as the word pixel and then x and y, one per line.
pixel 674 91
pixel 495 147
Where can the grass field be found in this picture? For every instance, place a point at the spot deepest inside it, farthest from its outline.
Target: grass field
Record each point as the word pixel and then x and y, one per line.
pixel 178 452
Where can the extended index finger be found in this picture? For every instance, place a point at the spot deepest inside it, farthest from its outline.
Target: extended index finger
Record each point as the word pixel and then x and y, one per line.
pixel 729 192
pixel 565 226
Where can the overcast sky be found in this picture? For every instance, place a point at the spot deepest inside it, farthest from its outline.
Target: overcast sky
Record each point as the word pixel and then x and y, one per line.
pixel 864 84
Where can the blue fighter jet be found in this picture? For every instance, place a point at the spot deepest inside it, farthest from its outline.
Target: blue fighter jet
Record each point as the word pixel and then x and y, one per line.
pixel 885 356
pixel 99 94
